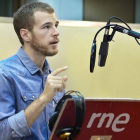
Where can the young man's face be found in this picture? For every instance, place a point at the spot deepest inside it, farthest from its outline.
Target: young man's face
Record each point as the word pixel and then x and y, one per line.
pixel 45 34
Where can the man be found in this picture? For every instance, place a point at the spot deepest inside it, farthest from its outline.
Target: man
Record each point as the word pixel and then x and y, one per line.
pixel 29 90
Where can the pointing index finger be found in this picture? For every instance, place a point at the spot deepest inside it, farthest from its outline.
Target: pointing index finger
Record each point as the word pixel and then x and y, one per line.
pixel 57 71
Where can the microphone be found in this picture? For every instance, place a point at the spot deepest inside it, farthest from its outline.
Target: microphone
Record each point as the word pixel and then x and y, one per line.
pixel 93 56
pixel 127 31
pixel 103 52
pixel 104 48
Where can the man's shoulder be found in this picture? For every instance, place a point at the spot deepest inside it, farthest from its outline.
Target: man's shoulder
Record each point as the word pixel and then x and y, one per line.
pixel 7 60
pixel 12 65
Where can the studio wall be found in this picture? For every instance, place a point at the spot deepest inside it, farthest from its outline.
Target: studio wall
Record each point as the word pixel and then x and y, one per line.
pixel 120 78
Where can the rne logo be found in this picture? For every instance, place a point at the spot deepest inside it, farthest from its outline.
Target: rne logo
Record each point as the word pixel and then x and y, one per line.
pixel 110 116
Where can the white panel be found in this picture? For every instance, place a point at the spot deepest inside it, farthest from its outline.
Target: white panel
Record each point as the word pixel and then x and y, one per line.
pixel 67 9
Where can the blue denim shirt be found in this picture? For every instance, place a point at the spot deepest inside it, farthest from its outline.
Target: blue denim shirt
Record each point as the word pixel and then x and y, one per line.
pixel 21 82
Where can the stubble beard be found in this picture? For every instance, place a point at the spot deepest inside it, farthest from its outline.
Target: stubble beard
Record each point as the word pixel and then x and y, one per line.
pixel 40 48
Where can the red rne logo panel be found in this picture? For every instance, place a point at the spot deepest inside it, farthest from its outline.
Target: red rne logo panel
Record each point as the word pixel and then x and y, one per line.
pixel 117 119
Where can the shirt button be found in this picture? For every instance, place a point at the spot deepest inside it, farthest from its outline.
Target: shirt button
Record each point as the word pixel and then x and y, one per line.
pixel 33 97
pixel 24 97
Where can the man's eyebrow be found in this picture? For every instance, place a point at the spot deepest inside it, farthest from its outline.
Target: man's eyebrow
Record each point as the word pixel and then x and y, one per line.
pixel 48 23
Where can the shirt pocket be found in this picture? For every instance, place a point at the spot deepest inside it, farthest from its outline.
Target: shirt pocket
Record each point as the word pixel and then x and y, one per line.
pixel 29 97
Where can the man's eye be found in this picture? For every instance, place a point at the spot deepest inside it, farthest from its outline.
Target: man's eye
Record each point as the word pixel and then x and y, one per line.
pixel 47 27
pixel 56 25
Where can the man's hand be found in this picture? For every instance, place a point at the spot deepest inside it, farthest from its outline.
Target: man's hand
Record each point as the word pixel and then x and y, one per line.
pixel 54 84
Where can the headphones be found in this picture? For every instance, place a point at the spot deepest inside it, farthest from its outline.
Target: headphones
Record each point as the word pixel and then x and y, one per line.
pixel 70 132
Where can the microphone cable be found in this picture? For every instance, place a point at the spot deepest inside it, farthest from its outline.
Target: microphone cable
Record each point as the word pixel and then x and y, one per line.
pixel 114 17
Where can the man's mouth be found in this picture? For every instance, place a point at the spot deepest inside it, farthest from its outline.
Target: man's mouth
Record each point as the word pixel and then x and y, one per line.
pixel 54 42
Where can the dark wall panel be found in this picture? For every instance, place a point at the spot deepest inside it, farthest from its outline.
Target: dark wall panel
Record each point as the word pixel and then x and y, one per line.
pixel 101 10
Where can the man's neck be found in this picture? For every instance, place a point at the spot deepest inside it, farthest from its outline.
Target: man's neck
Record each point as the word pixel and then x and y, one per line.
pixel 37 58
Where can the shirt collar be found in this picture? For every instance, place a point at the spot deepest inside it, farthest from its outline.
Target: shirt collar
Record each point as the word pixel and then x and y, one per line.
pixel 29 64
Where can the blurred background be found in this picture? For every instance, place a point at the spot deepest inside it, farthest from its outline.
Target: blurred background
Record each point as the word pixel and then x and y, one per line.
pixel 84 10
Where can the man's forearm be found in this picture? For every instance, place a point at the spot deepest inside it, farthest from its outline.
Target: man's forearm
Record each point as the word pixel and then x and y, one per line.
pixel 33 111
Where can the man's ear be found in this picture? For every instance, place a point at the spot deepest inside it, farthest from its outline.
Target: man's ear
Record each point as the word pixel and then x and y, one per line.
pixel 26 35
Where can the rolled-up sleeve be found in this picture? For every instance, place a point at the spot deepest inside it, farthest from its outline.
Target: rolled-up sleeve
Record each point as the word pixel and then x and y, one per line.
pixel 19 125
pixel 13 126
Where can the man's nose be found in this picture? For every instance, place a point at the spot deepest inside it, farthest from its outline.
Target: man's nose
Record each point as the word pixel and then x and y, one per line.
pixel 55 32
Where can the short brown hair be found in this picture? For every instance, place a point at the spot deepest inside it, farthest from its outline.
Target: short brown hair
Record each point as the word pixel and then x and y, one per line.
pixel 24 17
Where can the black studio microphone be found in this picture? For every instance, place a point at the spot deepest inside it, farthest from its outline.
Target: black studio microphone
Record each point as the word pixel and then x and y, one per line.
pixel 93 56
pixel 127 31
pixel 103 52
pixel 104 48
